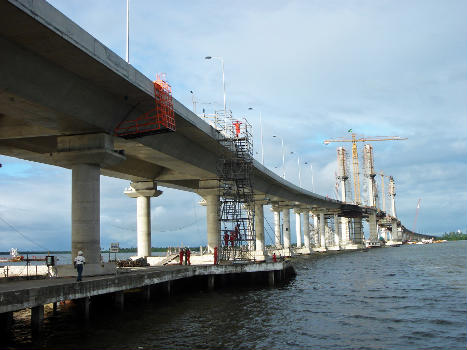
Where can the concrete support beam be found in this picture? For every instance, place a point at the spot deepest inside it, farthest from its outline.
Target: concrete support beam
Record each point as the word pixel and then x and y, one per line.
pixel 316 230
pixel 211 282
pixel 345 234
pixel 143 191
pixel 358 231
pixel 37 316
pixel 119 300
pixel 212 218
pixel 306 229
pixel 372 226
pixel 85 212
pixel 286 223
pixel 271 278
pixel 298 227
pixel 322 230
pixel 146 290
pixel 395 231
pixel 259 227
pixel 277 226
pixel 337 228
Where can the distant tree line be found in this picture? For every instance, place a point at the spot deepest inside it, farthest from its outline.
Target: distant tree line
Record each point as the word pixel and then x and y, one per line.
pixel 454 236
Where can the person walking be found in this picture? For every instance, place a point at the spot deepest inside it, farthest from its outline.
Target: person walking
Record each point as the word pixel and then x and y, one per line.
pixel 181 256
pixel 79 262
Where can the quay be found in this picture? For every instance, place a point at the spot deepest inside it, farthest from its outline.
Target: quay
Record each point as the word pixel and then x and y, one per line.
pixel 166 280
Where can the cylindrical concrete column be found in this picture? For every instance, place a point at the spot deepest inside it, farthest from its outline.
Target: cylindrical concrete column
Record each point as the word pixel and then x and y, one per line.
pixel 372 227
pixel 316 230
pixel 286 220
pixel 336 230
pixel 143 225
pixel 344 231
pixel 259 227
pixel 306 229
pixel 322 230
pixel 395 232
pixel 85 212
pixel 212 218
pixel 277 228
pixel 298 228
pixel 358 231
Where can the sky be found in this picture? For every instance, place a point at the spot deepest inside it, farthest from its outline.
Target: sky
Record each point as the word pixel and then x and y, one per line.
pixel 314 70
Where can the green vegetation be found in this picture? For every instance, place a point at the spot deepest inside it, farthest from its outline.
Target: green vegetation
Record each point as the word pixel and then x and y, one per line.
pixel 454 236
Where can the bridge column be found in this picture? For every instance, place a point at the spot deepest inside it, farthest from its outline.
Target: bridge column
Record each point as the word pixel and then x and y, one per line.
pixel 316 230
pixel 209 190
pixel 259 227
pixel 345 231
pixel 372 226
pixel 298 227
pixel 143 191
pixel 277 225
pixel 394 231
pixel 322 229
pixel 336 230
pixel 86 154
pixel 286 232
pixel 358 230
pixel 306 230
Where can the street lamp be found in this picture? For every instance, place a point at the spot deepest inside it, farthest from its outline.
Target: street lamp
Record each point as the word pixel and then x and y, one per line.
pixel 127 31
pixel 193 100
pixel 283 155
pixel 261 130
pixel 223 79
pixel 312 182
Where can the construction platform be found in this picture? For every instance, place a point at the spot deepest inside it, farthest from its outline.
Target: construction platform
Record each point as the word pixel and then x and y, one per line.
pixel 18 295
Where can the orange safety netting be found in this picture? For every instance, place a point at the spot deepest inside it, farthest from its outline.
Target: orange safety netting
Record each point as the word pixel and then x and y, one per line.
pixel 158 120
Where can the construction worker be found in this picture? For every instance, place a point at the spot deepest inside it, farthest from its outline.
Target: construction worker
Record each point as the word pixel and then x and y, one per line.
pixel 215 255
pixel 181 256
pixel 79 264
pixel 186 256
pixel 274 259
pixel 226 239
pixel 188 253
pixel 233 237
pixel 237 128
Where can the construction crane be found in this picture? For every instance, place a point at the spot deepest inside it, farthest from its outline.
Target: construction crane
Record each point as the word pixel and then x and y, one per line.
pixel 354 141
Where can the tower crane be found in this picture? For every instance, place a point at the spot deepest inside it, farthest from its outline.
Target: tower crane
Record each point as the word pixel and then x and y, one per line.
pixel 354 141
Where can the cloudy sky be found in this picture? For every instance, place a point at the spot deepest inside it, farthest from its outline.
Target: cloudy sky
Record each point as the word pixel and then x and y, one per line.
pixel 314 69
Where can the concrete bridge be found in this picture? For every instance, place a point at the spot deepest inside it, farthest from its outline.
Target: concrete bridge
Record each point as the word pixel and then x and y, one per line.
pixel 62 93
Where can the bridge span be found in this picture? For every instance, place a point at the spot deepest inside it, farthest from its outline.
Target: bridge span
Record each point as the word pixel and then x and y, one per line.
pixel 62 94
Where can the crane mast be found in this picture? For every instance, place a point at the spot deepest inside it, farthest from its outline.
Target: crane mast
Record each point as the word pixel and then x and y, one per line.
pixel 356 171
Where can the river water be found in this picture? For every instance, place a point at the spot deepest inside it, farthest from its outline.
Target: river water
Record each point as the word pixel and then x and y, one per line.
pixel 410 297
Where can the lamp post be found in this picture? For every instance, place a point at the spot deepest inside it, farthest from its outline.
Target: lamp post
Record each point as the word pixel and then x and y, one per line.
pixel 283 155
pixel 223 79
pixel 312 182
pixel 261 131
pixel 193 100
pixel 127 56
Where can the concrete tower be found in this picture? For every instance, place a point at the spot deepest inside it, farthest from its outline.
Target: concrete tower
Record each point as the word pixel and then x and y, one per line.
pixel 370 174
pixel 343 177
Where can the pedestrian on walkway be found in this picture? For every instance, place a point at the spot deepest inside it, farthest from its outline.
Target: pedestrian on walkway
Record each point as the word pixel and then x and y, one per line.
pixel 188 253
pixel 79 262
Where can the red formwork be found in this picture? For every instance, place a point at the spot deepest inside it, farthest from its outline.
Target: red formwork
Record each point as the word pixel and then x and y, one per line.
pixel 158 120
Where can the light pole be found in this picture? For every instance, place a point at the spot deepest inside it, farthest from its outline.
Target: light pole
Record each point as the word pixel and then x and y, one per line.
pixel 299 172
pixel 283 155
pixel 127 31
pixel 261 131
pixel 312 182
pixel 193 100
pixel 223 79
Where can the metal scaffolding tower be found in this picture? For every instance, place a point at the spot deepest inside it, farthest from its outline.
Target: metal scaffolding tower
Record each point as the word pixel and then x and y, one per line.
pixel 237 209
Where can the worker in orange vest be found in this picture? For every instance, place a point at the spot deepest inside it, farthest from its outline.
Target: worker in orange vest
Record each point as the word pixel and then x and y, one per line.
pixel 188 253
pixel 237 128
pixel 181 256
pixel 215 255
pixel 274 259
pixel 226 239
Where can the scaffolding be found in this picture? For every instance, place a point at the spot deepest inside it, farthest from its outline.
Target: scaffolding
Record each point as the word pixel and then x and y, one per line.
pixel 158 120
pixel 235 175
